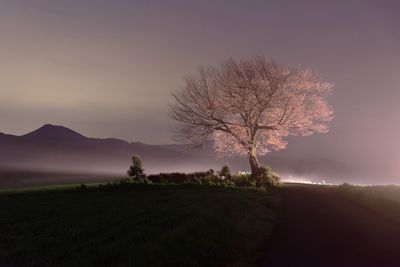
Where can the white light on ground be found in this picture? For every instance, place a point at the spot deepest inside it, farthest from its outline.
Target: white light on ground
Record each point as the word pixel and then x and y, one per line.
pixel 302 180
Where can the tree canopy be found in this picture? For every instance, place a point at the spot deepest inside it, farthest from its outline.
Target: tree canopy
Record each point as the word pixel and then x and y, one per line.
pixel 249 106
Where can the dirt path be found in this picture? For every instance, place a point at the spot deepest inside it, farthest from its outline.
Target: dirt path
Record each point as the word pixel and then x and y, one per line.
pixel 317 227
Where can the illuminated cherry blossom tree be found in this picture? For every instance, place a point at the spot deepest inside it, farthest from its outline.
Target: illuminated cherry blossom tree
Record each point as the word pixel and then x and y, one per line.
pixel 249 106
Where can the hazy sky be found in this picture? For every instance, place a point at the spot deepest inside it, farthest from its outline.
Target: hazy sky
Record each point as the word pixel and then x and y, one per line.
pixel 107 68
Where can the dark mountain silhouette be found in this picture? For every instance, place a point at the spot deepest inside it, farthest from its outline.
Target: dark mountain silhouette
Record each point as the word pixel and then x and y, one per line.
pixel 53 133
pixel 58 148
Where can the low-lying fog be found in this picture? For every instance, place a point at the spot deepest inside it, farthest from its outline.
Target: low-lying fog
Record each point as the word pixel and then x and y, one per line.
pixel 291 170
pixel 55 154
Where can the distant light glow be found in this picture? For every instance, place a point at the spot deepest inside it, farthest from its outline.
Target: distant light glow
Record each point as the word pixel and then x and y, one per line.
pixel 302 180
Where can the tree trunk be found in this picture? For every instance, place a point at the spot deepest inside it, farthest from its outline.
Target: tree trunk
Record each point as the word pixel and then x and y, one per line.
pixel 254 164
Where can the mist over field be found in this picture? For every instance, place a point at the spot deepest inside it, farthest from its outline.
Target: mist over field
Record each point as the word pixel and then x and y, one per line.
pixel 56 154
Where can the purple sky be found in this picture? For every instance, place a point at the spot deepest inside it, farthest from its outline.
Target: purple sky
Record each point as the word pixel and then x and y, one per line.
pixel 107 68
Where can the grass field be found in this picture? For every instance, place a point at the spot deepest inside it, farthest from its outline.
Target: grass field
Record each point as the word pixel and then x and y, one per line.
pixel 139 225
pixel 382 199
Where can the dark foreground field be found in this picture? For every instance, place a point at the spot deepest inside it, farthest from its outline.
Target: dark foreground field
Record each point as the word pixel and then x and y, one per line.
pixel 192 225
pixel 136 226
pixel 336 227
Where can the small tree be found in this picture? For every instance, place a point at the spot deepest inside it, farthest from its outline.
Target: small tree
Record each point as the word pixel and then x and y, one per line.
pixel 136 169
pixel 225 171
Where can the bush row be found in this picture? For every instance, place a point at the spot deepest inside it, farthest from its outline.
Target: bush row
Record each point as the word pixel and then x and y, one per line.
pixel 239 179
pixel 210 178
pixel 264 176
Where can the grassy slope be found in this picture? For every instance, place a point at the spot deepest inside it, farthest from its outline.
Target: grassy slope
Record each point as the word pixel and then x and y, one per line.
pixel 382 199
pixel 139 226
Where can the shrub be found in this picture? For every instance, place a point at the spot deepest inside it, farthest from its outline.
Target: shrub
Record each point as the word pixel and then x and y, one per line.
pixel 155 178
pixel 228 183
pixel 241 179
pixel 136 169
pixel 266 177
pixel 146 181
pixel 252 183
pixel 180 178
pixel 171 178
pixel 225 172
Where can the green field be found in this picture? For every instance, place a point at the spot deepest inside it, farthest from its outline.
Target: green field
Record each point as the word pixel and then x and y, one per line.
pixel 136 225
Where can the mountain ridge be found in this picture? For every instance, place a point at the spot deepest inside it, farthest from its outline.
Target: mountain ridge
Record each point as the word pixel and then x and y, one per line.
pixel 55 146
pixel 54 133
